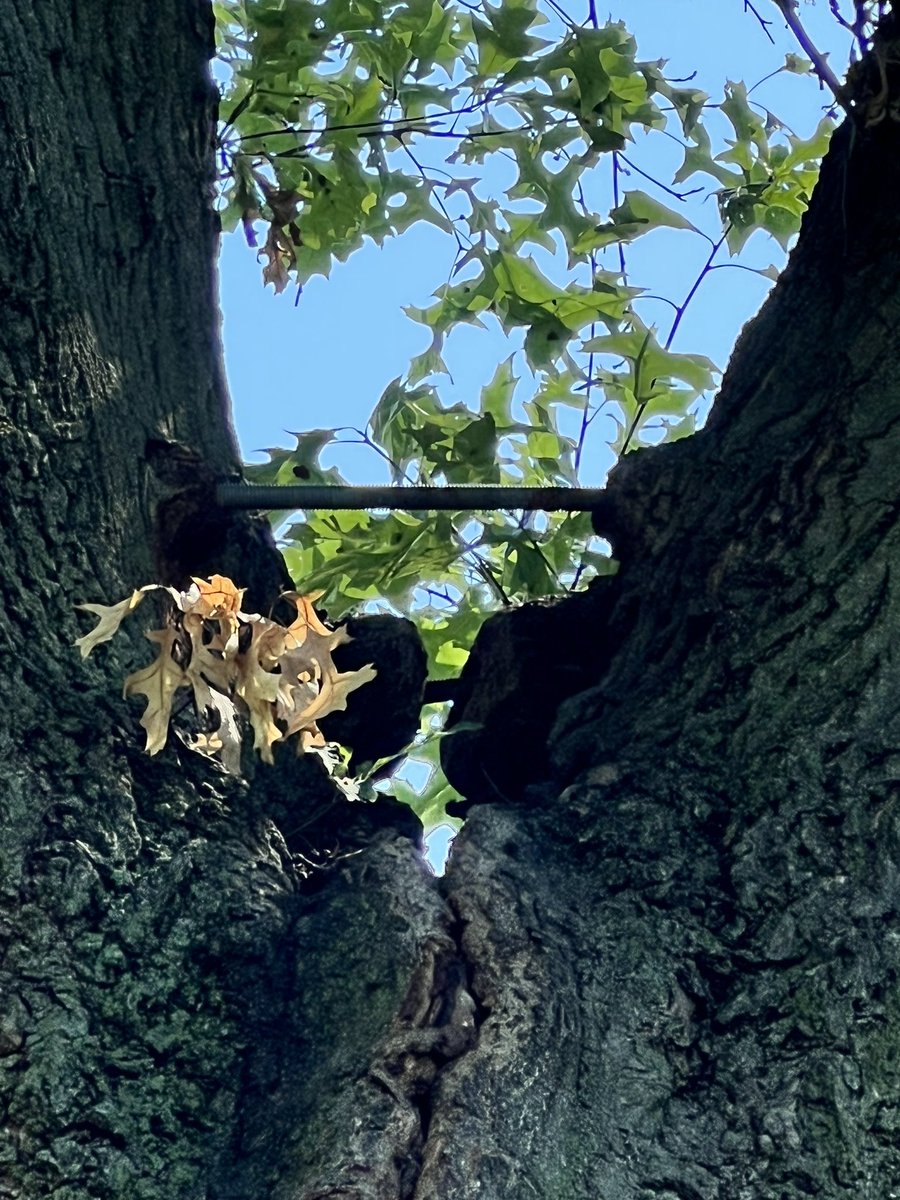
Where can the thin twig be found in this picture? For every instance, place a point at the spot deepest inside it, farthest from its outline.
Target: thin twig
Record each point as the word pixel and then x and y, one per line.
pixel 765 79
pixel 474 134
pixel 742 267
pixel 473 105
pixel 366 440
pixel 444 595
pixel 782 125
pixel 412 123
pixel 664 299
pixel 373 131
pixel 621 245
pixel 585 416
pixel 748 7
pixel 839 16
pixel 680 311
pixel 481 566
pixel 550 568
pixel 652 179
pixel 857 26
pixel 441 205
pixel 638 366
pixel 562 12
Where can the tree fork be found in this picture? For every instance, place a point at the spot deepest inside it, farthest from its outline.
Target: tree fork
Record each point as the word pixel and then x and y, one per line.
pixel 671 973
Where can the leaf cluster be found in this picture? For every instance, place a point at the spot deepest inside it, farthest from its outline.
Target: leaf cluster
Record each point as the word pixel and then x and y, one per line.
pixel 282 678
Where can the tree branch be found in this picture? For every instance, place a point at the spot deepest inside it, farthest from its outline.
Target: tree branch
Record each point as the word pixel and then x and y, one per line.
pixel 820 63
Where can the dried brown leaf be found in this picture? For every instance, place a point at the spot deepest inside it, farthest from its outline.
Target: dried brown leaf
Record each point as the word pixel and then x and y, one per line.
pixel 281 258
pixel 209 663
pixel 212 610
pixel 159 683
pixel 334 688
pixel 265 731
pixel 213 597
pixel 258 688
pixel 111 617
pixel 307 619
pixel 222 744
pixel 267 641
pixel 229 735
pixel 282 673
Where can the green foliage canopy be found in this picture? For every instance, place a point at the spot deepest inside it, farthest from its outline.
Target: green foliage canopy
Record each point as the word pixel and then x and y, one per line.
pixel 326 117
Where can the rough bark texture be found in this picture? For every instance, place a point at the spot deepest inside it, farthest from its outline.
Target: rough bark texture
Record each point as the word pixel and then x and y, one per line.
pixel 160 957
pixel 664 962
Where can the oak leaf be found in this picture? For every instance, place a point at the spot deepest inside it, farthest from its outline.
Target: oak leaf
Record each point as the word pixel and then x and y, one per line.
pixel 334 688
pixel 223 744
pixel 214 596
pixel 111 617
pixel 212 662
pixel 258 687
pixel 281 256
pixel 260 698
pixel 210 603
pixel 159 683
pixel 312 686
pixel 307 619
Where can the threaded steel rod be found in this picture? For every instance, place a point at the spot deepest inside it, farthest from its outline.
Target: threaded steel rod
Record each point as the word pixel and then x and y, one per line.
pixel 413 499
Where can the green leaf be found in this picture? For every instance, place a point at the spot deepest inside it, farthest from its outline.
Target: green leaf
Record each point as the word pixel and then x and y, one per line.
pixel 496 396
pixel 652 363
pixel 811 150
pixel 300 465
pixel 427 364
pixel 545 343
pixel 530 574
pixel 503 39
pixel 797 65
pixel 452 655
pixel 688 103
pixel 473 453
pixel 781 223
pixel 645 213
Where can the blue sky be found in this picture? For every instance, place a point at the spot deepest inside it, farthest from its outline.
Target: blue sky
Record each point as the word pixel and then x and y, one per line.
pixel 325 360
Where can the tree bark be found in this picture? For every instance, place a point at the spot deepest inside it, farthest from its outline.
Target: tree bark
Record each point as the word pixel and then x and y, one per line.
pixel 663 964
pixel 151 911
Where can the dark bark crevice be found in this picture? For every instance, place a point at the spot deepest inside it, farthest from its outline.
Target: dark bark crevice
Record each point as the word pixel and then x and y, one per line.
pixel 338 1073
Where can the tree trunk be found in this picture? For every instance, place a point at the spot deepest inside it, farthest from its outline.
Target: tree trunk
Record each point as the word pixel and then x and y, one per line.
pixel 155 930
pixel 663 964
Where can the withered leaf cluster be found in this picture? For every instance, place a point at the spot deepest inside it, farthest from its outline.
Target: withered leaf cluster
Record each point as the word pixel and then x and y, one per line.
pixel 282 677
